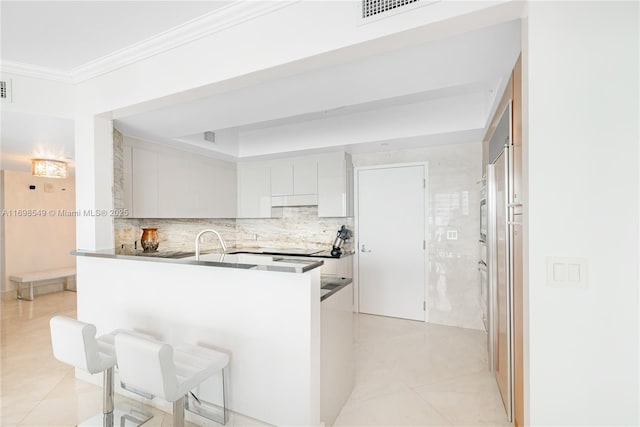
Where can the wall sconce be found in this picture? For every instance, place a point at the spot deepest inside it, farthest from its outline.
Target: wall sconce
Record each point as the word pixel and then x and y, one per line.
pixel 48 168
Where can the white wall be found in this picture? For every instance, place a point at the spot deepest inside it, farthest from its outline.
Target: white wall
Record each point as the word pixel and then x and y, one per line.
pixel 581 138
pixel 454 200
pixel 298 31
pixel 42 241
pixel 39 96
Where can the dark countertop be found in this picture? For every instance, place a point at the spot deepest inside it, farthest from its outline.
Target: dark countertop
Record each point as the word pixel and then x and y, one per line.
pixel 310 253
pixel 306 253
pixel 329 285
pixel 227 260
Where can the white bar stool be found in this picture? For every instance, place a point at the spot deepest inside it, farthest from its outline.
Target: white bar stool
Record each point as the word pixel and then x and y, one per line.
pixel 75 343
pixel 170 373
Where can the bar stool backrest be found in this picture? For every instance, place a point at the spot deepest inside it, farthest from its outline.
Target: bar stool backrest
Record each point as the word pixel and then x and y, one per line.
pixel 74 343
pixel 147 364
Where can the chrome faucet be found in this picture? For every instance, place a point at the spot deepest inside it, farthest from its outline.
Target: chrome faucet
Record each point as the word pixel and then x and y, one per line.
pixel 224 247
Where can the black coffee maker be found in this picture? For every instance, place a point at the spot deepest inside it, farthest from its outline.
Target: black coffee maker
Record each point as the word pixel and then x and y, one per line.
pixel 343 234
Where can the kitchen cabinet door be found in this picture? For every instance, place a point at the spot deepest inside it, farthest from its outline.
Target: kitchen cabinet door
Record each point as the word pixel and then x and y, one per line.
pixel 335 185
pixel 254 190
pixel 344 267
pixel 305 176
pixel 282 178
pixel 145 183
pixel 177 182
pixel 294 177
pixel 218 190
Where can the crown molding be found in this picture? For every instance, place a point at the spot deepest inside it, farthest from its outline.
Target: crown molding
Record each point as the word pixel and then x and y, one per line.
pixel 36 71
pixel 215 21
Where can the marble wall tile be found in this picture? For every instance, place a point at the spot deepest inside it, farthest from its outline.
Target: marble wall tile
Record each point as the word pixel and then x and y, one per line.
pixel 118 170
pixel 453 227
pixel 175 235
pixel 298 228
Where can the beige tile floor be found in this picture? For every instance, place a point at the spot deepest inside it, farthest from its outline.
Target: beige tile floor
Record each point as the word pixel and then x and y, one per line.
pixel 407 374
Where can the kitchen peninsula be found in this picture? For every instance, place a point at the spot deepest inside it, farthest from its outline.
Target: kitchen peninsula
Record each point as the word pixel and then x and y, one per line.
pixel 264 311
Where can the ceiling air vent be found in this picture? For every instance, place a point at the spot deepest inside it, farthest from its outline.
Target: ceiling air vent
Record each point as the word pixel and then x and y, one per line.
pixel 210 136
pixel 376 7
pixel 5 90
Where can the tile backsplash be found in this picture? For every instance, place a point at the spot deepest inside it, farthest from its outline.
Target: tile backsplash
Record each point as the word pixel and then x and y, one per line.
pixel 297 227
pixel 175 235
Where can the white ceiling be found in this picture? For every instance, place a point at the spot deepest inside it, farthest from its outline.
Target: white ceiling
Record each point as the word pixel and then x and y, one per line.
pixel 25 136
pixel 64 35
pixel 60 36
pixel 440 92
pixel 445 87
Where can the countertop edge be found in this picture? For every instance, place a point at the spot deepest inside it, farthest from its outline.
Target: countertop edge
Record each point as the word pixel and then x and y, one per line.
pixel 345 282
pixel 259 267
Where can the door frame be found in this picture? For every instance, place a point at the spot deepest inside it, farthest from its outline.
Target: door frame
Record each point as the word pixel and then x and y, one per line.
pixel 356 218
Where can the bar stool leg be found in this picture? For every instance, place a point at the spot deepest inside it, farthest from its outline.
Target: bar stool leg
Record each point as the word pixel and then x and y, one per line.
pixel 108 420
pixel 178 412
pixel 107 392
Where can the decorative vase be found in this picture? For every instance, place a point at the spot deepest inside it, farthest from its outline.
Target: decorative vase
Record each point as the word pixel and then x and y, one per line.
pixel 149 239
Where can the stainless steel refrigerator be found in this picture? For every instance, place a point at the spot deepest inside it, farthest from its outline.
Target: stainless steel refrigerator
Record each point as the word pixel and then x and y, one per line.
pixel 502 229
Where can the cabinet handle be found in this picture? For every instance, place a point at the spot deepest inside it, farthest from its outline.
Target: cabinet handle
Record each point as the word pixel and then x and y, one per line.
pixel 363 249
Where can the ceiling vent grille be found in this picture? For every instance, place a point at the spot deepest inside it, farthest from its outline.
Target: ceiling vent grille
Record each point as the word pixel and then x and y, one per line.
pixel 5 90
pixel 210 136
pixel 376 7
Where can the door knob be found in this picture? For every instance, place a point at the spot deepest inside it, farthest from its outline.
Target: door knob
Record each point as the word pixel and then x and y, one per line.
pixel 363 249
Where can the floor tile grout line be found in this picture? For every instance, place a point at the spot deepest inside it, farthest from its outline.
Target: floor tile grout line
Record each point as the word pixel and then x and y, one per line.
pixel 451 422
pixel 445 380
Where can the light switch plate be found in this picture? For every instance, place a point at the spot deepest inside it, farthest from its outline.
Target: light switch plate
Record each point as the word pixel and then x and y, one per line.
pixel 566 272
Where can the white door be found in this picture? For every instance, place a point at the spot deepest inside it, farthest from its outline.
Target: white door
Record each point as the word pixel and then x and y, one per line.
pixel 391 233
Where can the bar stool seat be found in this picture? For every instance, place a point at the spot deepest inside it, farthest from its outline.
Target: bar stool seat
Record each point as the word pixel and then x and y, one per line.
pixel 75 343
pixel 170 373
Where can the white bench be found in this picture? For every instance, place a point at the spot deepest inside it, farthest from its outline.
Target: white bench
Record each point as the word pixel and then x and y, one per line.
pixel 36 276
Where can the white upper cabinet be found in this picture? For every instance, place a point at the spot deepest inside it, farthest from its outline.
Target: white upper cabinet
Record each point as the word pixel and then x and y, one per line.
pixel 294 182
pixel 176 198
pixel 219 189
pixel 294 177
pixel 168 183
pixel 317 180
pixel 144 185
pixel 335 185
pixel 254 190
pixel 282 178
pixel 305 176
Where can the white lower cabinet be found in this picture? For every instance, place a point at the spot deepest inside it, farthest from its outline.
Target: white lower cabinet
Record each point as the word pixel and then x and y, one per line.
pixel 338 267
pixel 337 377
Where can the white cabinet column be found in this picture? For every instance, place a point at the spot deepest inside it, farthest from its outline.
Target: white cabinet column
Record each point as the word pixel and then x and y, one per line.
pixel 94 181
pixel 254 190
